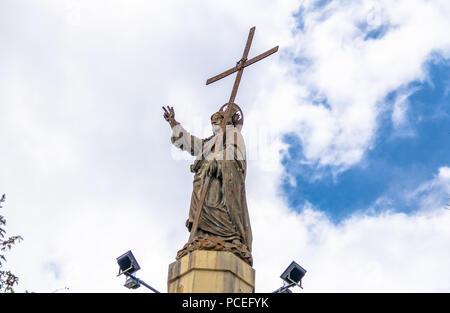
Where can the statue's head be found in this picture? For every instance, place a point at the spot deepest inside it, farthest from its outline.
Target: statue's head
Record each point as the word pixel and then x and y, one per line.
pixel 236 118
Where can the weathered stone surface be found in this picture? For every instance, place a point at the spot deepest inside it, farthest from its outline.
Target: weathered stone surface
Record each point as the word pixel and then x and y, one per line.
pixel 210 272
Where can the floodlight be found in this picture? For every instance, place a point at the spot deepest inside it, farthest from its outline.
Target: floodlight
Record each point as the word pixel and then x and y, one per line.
pixel 127 263
pixel 127 266
pixel 132 283
pixel 293 274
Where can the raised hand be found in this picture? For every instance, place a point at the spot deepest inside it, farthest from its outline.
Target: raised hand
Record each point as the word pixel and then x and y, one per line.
pixel 169 116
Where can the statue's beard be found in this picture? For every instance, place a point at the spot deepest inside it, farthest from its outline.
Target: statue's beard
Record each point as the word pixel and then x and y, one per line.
pixel 216 129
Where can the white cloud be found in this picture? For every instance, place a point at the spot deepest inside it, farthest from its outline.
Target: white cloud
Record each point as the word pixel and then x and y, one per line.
pixel 434 193
pixel 86 160
pixel 378 252
pixel 354 75
pixel 399 114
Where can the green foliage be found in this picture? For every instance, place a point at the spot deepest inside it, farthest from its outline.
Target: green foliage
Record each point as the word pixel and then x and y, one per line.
pixel 7 279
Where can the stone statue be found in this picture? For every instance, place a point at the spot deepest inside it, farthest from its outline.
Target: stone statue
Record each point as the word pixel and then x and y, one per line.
pixel 220 169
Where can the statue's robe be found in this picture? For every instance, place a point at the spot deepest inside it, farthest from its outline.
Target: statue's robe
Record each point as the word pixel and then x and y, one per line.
pixel 224 214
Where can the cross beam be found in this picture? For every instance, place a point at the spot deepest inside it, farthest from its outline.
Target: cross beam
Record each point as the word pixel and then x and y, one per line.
pixel 240 65
pixel 247 63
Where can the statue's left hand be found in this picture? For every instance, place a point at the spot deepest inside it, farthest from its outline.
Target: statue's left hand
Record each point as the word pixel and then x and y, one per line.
pixel 212 171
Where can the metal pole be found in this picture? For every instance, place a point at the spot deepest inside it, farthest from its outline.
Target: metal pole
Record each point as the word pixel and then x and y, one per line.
pixel 282 289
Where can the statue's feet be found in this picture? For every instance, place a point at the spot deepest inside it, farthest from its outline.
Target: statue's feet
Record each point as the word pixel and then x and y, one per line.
pixel 216 244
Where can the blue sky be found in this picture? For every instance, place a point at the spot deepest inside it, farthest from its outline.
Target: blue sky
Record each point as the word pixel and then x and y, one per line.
pixel 400 159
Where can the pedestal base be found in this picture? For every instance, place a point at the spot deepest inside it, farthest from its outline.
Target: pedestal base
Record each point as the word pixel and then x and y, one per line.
pixel 210 272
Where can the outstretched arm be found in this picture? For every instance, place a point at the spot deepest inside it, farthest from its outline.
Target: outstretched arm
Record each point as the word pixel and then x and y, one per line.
pixel 180 137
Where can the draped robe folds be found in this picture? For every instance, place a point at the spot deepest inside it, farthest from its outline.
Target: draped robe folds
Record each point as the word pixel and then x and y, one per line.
pixel 224 214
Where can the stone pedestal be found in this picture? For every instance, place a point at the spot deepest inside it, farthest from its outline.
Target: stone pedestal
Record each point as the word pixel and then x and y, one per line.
pixel 210 272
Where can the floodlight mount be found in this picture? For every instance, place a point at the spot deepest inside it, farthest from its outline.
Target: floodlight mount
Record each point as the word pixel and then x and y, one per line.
pixel 140 282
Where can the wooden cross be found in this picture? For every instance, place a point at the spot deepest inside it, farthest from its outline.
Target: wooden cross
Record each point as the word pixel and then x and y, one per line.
pixel 239 68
